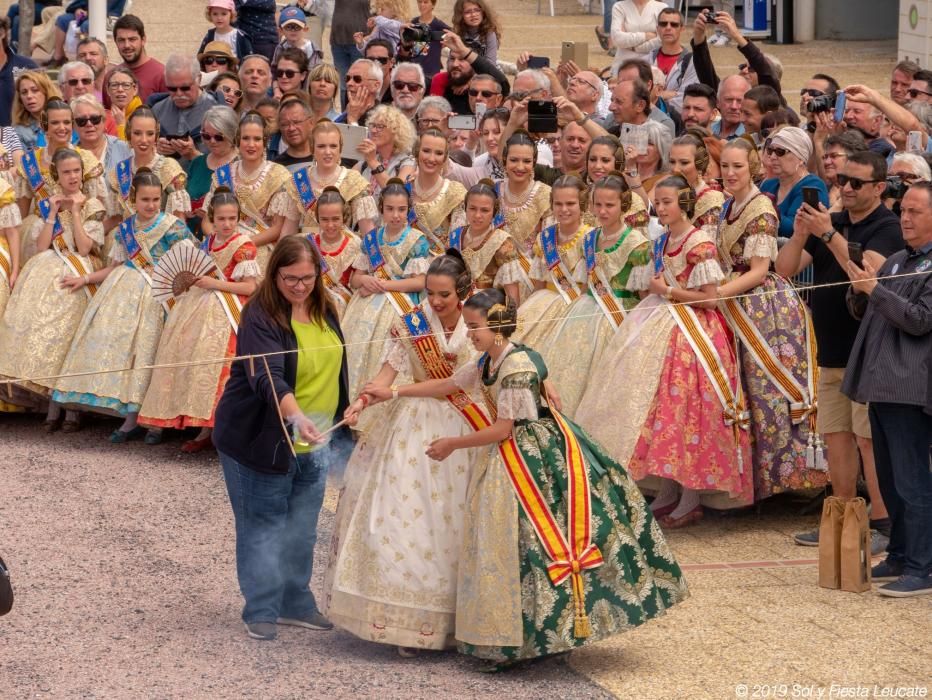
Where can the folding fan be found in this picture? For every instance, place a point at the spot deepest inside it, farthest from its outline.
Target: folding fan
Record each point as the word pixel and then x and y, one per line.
pixel 178 270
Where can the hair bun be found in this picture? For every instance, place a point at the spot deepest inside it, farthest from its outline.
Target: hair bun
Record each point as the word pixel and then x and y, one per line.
pixel 395 181
pixel 222 189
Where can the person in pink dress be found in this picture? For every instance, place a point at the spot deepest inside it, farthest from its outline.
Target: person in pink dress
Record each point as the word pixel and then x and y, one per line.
pixel 668 401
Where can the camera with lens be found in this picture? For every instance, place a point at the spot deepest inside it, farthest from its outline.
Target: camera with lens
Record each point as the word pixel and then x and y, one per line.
pixel 821 103
pixel 896 187
pixel 709 17
pixel 420 33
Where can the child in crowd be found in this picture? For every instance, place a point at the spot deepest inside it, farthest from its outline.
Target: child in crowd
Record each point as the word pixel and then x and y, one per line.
pixel 390 17
pixel 222 14
pixel 293 24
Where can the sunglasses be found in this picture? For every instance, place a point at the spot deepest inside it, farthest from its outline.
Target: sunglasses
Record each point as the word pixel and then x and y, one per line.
pixel 218 60
pixel 776 151
pixel 94 119
pixel 216 138
pixel 177 88
pixel 812 92
pixel 74 82
pixel 227 90
pixel 667 23
pixel 473 92
pixel 381 59
pixel 400 85
pixel 358 79
pixel 912 92
pixel 855 182
pixel 286 73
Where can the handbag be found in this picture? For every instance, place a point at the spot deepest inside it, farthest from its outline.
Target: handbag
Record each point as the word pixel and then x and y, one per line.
pixel 6 590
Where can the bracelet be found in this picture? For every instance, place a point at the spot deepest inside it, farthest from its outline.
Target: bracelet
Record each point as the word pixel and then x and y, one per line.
pixel 669 295
pixel 87 280
pixel 394 388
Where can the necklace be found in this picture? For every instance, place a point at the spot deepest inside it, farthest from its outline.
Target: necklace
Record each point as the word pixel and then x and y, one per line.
pixel 249 178
pixel 519 200
pixel 324 182
pixel 571 243
pixel 428 195
pixel 472 238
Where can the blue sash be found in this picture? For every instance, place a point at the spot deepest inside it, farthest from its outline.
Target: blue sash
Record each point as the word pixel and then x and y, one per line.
pixel 305 191
pixel 124 175
pixel 127 234
pixel 224 176
pixel 45 206
pixel 370 244
pixel 499 219
pixel 417 323
pixel 589 248
pixel 33 174
pixel 324 267
pixel 456 238
pixel 657 247
pixel 412 215
pixel 548 239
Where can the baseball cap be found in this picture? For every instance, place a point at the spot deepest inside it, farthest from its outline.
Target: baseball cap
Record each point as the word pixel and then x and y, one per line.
pixel 292 15
pixel 221 4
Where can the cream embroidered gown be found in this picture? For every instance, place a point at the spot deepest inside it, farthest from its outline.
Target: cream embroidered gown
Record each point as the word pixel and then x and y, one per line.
pixel 396 542
pixel 9 218
pixel 525 216
pixel 354 189
pixel 441 214
pixel 41 317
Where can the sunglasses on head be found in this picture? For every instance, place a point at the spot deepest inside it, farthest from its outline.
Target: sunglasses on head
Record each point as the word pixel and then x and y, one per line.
pixel 855 182
pixel 94 119
pixel 216 138
pixel 400 85
pixel 473 92
pixel 286 73
pixel 912 92
pixel 381 59
pixel 177 88
pixel 219 60
pixel 74 82
pixel 668 23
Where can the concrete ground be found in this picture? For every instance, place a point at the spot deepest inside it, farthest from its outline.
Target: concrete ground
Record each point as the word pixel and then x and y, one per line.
pixel 123 558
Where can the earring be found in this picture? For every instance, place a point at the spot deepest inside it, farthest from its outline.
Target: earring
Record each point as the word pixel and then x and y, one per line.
pixel 499 340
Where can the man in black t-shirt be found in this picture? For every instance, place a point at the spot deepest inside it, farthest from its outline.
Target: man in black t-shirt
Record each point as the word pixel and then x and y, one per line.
pixel 822 240
pixel 294 123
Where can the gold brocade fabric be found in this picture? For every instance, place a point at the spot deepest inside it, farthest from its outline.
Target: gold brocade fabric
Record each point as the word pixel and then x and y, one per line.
pixel 497 250
pixel 120 329
pixel 524 222
pixel 442 214
pixel 708 206
pixel 399 523
pixel 756 223
pixel 41 318
pixel 339 259
pixel 197 327
pixel 353 187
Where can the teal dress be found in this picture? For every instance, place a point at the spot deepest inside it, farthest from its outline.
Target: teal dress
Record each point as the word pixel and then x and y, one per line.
pixel 509 605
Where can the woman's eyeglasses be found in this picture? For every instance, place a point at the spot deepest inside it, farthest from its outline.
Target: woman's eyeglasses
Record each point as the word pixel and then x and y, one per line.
pixel 286 73
pixel 216 138
pixel 94 119
pixel 121 86
pixel 855 182
pixel 293 281
pixel 227 90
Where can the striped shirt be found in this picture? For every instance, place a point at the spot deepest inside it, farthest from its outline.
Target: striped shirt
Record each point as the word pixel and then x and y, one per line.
pixel 889 362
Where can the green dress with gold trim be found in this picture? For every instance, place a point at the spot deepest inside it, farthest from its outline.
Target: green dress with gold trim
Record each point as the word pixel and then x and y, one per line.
pixel 508 608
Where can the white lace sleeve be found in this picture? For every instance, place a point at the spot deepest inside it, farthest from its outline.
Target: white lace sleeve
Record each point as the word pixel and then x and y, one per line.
pixel 395 354
pixel 705 272
pixel 516 404
pixel 95 231
pixel 509 273
pixel 282 204
pixel 179 200
pixel 246 268
pixel 416 266
pixel 640 277
pixel 21 187
pixel 9 216
pixel 364 208
pixel 457 218
pixel 539 271
pixel 117 253
pixel 467 376
pixel 361 262
pixel 760 245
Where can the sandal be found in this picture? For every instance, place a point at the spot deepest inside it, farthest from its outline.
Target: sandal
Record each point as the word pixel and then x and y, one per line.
pixel 407 652
pixel 664 510
pixel 194 446
pixel 153 437
pixel 603 38
pixel 118 437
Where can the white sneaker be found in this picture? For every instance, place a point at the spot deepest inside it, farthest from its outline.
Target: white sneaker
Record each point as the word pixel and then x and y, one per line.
pixel 719 40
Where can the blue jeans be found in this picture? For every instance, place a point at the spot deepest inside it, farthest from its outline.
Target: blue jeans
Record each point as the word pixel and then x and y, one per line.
pixel 276 529
pixel 344 55
pixel 902 435
pixel 607 6
pixel 13 13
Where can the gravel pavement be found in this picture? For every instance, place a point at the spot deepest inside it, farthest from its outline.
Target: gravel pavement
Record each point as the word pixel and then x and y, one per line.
pixel 123 564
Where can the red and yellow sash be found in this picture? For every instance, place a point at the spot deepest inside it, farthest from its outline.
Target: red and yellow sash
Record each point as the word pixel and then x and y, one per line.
pixel 598 285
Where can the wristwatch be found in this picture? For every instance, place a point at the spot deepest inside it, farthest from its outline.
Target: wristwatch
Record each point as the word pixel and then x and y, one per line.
pixel 827 236
pixel 582 121
pixel 381 169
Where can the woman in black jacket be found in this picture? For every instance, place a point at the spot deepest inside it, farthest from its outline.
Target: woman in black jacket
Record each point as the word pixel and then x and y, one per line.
pixel 276 488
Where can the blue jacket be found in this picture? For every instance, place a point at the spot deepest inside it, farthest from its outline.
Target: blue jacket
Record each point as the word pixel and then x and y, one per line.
pixel 15 65
pixel 788 207
pixel 247 426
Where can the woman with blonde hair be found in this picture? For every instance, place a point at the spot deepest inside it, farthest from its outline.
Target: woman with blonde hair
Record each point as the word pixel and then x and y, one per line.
pixel 32 93
pixel 323 87
pixel 438 201
pixel 386 154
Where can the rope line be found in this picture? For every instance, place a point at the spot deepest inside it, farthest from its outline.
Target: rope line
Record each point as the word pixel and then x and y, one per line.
pixel 263 356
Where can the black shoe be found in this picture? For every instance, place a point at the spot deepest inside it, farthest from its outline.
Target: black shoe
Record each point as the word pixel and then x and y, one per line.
pixel 312 621
pixel 603 38
pixel 885 571
pixel 907 586
pixel 264 631
pixel 807 539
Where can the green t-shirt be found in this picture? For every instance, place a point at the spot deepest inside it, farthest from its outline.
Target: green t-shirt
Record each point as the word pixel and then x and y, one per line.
pixel 317 386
